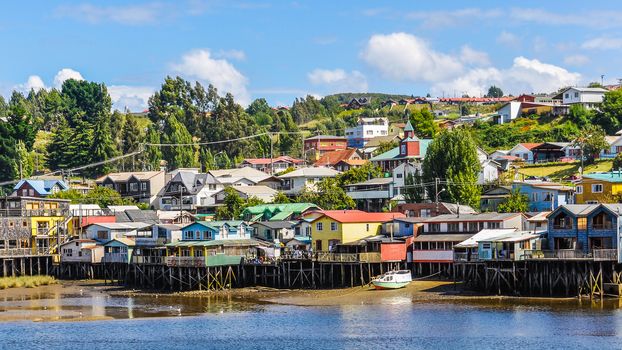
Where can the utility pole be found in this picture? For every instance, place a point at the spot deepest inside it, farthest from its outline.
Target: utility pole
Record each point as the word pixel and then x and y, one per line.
pixel 271 155
pixel 436 191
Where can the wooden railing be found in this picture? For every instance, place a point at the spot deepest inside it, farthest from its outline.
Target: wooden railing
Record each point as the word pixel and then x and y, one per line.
pixel 605 254
pixel 461 256
pixel 148 260
pixel 186 261
pixel 24 252
pixel 297 255
pixel 336 257
pixel 370 257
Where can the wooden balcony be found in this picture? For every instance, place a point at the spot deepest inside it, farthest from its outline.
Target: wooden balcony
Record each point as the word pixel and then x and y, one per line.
pixel 115 258
pixel 186 261
pixel 336 257
pixel 571 254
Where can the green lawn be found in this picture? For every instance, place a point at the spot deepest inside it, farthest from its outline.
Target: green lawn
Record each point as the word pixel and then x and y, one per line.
pixel 559 171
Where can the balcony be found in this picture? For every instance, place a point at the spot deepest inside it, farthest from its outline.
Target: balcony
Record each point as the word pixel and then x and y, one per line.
pixel 33 212
pixel 571 254
pixel 605 254
pixel 464 257
pixel 373 257
pixel 148 260
pixel 24 252
pixel 336 257
pixel 185 261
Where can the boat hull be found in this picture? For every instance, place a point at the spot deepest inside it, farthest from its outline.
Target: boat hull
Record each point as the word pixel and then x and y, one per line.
pixel 389 285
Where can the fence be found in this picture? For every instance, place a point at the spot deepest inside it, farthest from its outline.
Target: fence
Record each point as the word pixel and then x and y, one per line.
pixel 115 258
pixel 186 261
pixel 336 257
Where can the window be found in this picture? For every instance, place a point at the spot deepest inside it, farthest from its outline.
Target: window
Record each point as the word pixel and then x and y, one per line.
pixel 534 196
pixel 102 235
pixel 67 252
pixel 399 176
pixel 434 227
pixel 453 227
pixel 473 226
pixel 566 95
pixel 188 234
pixel 494 225
pixel 367 227
pixel 403 149
pixel 582 223
pixel 579 189
pixel 319 226
pixel 134 187
pixel 597 188
pixel 548 196
pixel 143 186
pixel 425 213
pixel 576 94
pixel 333 226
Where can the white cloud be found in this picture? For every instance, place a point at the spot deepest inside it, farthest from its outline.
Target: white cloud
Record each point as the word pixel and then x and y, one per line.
pixel 339 80
pixel 200 65
pixel 603 43
pixel 402 56
pixel 34 82
pixel 64 74
pixel 130 14
pixel 134 98
pixel 469 55
pixel 576 60
pixel 507 38
pixel 524 76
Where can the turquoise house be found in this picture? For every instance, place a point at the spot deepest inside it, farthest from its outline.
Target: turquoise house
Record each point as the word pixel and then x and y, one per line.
pixel 119 250
pixel 217 230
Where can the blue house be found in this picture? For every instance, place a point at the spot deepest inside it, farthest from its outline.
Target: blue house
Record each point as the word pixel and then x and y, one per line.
pixel 545 196
pixel 38 188
pixel 584 227
pixel 217 230
pixel 404 227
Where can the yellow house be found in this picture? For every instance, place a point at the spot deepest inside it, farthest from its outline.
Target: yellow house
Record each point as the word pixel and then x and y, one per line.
pixel 344 226
pixel 598 188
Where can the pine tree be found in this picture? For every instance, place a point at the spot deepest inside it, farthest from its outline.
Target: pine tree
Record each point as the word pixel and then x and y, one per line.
pixel 176 133
pixel 58 149
pixel 24 164
pixel 153 154
pixel 103 146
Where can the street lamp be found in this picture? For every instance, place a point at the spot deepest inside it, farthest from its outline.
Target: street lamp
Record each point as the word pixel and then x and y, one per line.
pixel 436 198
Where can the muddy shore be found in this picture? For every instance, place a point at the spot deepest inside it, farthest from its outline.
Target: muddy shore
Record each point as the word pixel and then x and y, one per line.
pixel 92 300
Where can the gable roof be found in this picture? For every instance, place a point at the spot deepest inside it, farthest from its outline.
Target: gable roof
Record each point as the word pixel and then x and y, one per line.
pixel 311 172
pixel 528 145
pixel 326 137
pixel 137 215
pixel 268 161
pixel 276 224
pixel 491 216
pixel 255 190
pixel 236 174
pixel 42 187
pixel 409 126
pixel 354 216
pixel 122 177
pixel 334 157
pixel 395 152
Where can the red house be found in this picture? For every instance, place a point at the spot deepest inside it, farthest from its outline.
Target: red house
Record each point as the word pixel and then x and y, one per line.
pixel 316 146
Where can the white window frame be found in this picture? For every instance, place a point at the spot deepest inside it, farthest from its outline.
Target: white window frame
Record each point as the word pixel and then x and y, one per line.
pixel 319 226
pixel 595 186
pixel 333 226
pixel 579 189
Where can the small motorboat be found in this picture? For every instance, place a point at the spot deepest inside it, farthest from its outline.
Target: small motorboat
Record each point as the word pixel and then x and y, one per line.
pixel 392 280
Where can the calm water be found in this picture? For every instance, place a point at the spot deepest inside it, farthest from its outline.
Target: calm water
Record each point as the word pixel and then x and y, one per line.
pixel 403 325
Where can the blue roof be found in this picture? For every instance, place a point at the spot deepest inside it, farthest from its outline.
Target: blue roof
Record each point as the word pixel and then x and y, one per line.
pixel 612 176
pixel 43 187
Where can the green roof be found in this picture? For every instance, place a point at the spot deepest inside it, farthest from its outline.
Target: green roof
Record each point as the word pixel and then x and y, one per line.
pixel 217 224
pixel 613 176
pixel 272 212
pixel 395 152
pixel 409 127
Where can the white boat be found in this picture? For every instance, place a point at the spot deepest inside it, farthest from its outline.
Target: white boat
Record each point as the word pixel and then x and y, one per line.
pixel 393 280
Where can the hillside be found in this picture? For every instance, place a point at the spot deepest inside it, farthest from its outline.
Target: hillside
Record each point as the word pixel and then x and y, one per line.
pixel 559 171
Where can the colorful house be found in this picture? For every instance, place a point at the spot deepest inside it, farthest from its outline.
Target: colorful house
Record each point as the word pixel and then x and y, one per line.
pixel 411 148
pixel 119 250
pixel 584 228
pixel 217 230
pixel 544 195
pixel 38 188
pixel 598 187
pixel 334 227
pixel 316 146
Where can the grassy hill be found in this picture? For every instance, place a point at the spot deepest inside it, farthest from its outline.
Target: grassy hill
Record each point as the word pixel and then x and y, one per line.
pixel 558 171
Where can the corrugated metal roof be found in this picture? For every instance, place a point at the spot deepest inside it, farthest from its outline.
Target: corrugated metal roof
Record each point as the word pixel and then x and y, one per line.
pixel 443 237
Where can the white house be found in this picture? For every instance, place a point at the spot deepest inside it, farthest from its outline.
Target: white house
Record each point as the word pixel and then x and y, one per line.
pixel 508 112
pixel 489 172
pixel 82 250
pixel 366 129
pixel 590 98
pixel 305 178
pixel 400 173
pixel 523 151
pixel 108 231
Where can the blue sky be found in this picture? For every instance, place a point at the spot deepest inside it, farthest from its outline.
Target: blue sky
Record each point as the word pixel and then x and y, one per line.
pixel 285 49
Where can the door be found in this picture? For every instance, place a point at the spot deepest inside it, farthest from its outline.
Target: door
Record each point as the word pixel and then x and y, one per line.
pixel 318 245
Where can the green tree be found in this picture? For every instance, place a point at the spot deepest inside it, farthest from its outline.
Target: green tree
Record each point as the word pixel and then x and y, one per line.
pixel 494 91
pixel 452 158
pixel 102 147
pixel 591 141
pixel 414 191
pixel 617 162
pixel 24 163
pixel 423 123
pixel 516 203
pixel 328 195
pixel 385 147
pixel 176 133
pixel 610 116
pixel 206 159
pixel 359 174
pixel 59 156
pixel 580 115
pixel 7 153
pixel 280 198
pixel 233 205
pixel 153 154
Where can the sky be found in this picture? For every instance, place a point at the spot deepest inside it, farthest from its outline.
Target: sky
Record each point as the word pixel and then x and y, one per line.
pixel 281 50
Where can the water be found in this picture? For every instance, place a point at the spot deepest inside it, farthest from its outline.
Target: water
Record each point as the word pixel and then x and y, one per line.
pixel 401 324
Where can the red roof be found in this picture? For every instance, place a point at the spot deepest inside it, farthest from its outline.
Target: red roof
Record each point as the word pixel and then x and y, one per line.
pixel 531 145
pixel 352 216
pixel 334 157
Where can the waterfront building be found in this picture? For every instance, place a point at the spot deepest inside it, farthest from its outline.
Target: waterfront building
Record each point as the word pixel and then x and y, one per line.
pixel 275 230
pixel 38 188
pixel 106 231
pixel 119 250
pixel 430 209
pixel 372 195
pixel 598 187
pixel 498 244
pixel 584 228
pixel 334 227
pixel 32 225
pixel 82 250
pixel 217 230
